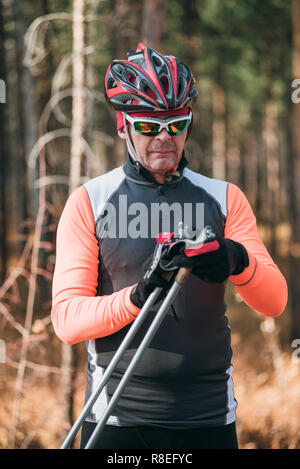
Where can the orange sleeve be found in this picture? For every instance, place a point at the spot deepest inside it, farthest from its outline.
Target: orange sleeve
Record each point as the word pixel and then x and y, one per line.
pixel 261 285
pixel 77 313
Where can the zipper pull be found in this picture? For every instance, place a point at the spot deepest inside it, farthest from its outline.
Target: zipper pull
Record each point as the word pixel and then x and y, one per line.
pixel 161 190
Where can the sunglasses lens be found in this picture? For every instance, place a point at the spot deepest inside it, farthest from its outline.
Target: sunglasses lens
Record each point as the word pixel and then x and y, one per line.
pixel 151 129
pixel 146 128
pixel 178 127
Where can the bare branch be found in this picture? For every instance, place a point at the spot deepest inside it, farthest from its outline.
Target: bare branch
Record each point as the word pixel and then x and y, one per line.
pixel 44 273
pixel 56 179
pixel 29 305
pixel 11 320
pixel 36 367
pixel 19 270
pixel 47 180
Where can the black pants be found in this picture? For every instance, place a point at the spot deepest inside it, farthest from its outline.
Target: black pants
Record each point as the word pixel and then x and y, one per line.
pixel 113 437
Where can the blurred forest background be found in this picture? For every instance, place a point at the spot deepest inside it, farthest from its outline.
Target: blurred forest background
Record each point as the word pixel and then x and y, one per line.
pixel 56 132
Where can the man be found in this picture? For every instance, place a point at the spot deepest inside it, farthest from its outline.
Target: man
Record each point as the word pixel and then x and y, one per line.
pixel 181 393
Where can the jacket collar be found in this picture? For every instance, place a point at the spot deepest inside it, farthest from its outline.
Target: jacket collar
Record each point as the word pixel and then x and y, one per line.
pixel 138 172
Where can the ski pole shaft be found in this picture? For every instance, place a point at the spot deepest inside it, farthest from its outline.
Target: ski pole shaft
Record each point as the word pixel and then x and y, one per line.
pixel 115 360
pixel 179 281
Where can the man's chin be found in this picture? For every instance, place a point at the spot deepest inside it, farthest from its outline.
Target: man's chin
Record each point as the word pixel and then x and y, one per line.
pixel 162 169
pixel 164 162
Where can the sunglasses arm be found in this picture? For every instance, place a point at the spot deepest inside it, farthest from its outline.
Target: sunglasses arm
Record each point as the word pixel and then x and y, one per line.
pixel 129 143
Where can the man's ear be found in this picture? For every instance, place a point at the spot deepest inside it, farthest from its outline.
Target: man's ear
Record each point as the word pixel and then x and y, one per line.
pixel 122 133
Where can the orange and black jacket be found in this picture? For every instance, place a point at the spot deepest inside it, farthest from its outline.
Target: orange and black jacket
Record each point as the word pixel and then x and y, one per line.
pixel 184 379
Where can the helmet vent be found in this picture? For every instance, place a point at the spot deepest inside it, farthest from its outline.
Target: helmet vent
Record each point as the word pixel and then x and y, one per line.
pixel 111 83
pixel 165 83
pixel 118 69
pixel 181 86
pixel 147 90
pixel 157 61
pixel 131 77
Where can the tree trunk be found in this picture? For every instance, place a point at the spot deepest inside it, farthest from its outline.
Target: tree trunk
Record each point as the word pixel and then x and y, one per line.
pixel 287 179
pixel 17 162
pixel 121 43
pixel 270 136
pixel 3 154
pixel 242 169
pixel 78 116
pixel 295 216
pixel 98 165
pixel 26 116
pixel 233 161
pixel 191 27
pixel 296 112
pixel 70 353
pixel 117 153
pixel 218 133
pixel 153 26
pixel 251 161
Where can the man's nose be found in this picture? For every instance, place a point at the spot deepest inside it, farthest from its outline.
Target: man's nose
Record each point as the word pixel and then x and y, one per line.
pixel 163 135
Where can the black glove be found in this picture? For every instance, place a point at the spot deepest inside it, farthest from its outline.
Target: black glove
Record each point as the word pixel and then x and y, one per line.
pixel 154 276
pixel 230 258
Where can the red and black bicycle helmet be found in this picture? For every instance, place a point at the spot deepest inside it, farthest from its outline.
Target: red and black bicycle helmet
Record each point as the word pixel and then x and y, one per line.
pixel 149 81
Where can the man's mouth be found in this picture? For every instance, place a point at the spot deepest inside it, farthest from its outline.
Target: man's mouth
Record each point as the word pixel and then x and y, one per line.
pixel 162 151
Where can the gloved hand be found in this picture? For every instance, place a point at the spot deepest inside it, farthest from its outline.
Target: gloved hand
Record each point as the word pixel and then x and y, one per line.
pixel 154 276
pixel 230 258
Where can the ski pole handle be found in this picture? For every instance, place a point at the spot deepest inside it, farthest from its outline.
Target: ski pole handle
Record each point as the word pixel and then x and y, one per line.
pixel 182 275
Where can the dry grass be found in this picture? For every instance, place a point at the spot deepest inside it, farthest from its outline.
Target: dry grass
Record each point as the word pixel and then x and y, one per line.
pixel 40 425
pixel 266 382
pixel 268 402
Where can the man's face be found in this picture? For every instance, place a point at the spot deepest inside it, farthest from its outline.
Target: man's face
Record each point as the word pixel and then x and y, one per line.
pixel 158 154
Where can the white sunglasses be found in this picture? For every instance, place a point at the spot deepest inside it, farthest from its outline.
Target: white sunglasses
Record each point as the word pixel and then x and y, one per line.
pixel 151 126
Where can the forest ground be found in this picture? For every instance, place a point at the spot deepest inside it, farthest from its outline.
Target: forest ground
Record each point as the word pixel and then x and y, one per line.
pixel 266 388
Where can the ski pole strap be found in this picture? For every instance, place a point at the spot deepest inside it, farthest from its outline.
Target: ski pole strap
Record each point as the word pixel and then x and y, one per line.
pixel 187 240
